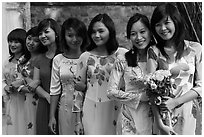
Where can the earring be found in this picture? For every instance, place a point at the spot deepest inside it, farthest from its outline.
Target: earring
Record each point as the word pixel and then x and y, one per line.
pixel 132 51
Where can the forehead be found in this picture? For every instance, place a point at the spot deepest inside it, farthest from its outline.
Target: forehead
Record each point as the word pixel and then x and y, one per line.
pixel 166 18
pixel 138 26
pixel 99 25
pixel 70 30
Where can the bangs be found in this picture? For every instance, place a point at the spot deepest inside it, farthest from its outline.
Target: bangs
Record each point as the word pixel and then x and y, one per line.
pixel 18 36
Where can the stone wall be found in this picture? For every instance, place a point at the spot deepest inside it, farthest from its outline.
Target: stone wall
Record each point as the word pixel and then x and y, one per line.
pixel 119 12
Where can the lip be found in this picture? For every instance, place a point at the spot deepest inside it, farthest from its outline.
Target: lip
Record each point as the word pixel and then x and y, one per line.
pixel 140 42
pixel 164 33
pixel 13 48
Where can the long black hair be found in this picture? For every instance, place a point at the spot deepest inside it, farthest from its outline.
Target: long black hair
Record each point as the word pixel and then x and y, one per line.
pixel 80 29
pixel 112 43
pixel 49 22
pixel 131 55
pixel 18 34
pixel 164 11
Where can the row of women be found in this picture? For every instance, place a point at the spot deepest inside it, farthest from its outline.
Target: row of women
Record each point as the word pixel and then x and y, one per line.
pixel 86 87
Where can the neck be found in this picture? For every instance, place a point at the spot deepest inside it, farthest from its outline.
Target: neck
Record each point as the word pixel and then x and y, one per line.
pixel 33 54
pixel 142 55
pixel 51 50
pixel 101 50
pixel 73 53
pixel 17 56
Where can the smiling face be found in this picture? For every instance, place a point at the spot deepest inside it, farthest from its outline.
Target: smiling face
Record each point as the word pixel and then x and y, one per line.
pixel 47 36
pixel 72 39
pixel 32 43
pixel 165 28
pixel 140 35
pixel 100 34
pixel 15 46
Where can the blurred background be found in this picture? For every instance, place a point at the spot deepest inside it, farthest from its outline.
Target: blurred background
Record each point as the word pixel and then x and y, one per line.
pixel 28 14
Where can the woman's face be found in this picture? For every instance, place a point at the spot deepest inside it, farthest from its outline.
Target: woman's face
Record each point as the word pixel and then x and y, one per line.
pixel 140 35
pixel 47 36
pixel 100 34
pixel 32 43
pixel 15 46
pixel 165 28
pixel 72 39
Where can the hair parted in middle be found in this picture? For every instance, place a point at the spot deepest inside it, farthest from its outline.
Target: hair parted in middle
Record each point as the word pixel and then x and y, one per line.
pixel 80 29
pixel 112 43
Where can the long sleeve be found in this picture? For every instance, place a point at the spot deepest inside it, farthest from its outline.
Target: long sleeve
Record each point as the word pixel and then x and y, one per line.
pixel 115 80
pixel 55 86
pixel 151 60
pixel 198 69
pixel 78 98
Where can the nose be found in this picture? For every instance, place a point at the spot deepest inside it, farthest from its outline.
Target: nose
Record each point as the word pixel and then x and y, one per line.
pixel 74 38
pixel 163 27
pixel 138 37
pixel 42 35
pixel 97 34
pixel 12 43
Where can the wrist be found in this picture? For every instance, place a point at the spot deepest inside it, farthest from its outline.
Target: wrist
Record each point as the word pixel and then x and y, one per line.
pixel 19 88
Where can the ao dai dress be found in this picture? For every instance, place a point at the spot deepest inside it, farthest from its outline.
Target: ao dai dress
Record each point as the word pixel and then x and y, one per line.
pixel 99 112
pixel 31 99
pixel 63 74
pixel 15 115
pixel 135 111
pixel 187 73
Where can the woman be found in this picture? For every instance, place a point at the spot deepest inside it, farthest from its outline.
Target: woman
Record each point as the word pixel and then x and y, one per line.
pixel 93 70
pixel 74 40
pixel 12 80
pixel 183 59
pixel 25 67
pixel 49 33
pixel 130 69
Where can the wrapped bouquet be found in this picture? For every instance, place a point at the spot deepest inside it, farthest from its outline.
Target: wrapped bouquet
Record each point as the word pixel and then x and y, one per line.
pixel 159 85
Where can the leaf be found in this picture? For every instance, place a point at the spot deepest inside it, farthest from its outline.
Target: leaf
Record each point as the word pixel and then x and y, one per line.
pixel 103 61
pixel 91 61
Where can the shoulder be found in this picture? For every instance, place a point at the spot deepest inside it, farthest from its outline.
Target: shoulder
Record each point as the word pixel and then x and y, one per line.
pixel 121 51
pixel 195 46
pixel 85 54
pixel 58 57
pixel 154 48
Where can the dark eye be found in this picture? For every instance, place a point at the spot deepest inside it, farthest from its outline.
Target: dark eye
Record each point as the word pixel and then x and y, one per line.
pixel 143 31
pixel 132 33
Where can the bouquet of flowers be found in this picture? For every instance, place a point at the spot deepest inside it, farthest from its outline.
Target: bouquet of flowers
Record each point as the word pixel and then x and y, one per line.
pixel 158 86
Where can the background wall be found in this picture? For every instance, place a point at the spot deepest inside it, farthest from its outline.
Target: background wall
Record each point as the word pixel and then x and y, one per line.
pixel 28 14
pixel 119 12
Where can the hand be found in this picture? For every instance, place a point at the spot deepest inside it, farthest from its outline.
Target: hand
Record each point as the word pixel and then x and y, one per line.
pixel 52 125
pixel 165 130
pixel 48 99
pixel 78 85
pixel 10 89
pixel 79 129
pixel 17 83
pixel 34 84
pixel 168 103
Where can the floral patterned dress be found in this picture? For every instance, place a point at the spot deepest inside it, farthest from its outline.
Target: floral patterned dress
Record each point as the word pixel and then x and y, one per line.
pixel 15 115
pixel 99 112
pixel 63 73
pixel 31 99
pixel 136 118
pixel 187 73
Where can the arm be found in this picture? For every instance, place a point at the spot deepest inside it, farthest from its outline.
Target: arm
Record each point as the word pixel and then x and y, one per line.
pixel 196 90
pixel 53 106
pixel 116 76
pixel 55 92
pixel 151 60
pixel 39 90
